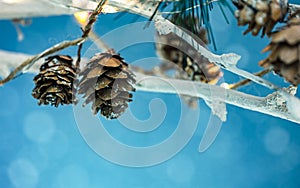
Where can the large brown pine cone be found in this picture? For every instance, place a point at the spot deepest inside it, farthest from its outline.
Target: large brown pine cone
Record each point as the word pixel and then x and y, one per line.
pixel 107 83
pixel 262 14
pixel 55 81
pixel 285 52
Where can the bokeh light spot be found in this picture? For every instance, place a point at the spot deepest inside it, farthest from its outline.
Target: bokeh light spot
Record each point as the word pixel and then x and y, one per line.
pixel 39 126
pixel 22 173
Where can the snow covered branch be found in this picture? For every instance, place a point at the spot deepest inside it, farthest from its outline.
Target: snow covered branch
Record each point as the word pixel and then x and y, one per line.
pixel 226 61
pixel 30 61
pixel 272 104
pixel 275 104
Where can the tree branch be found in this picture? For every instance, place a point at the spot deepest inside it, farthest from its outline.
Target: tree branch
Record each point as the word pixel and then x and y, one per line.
pixel 155 84
pixel 28 62
pixel 226 61
pixel 88 28
pixel 271 104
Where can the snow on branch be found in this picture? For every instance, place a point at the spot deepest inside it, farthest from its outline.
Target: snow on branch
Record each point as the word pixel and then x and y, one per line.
pixel 226 61
pixel 164 26
pixel 272 104
pixel 32 60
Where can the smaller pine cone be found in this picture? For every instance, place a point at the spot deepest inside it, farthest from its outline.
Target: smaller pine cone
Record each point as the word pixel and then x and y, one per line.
pixel 189 64
pixel 54 83
pixel 262 14
pixel 285 52
pixel 175 50
pixel 106 82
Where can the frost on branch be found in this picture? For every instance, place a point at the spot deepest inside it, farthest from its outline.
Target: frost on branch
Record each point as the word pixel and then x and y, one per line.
pixel 164 27
pixel 226 61
pixel 218 108
pixel 278 102
pixel 10 60
pixel 293 105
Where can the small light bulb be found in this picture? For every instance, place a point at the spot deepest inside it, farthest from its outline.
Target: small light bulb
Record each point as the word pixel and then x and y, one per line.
pixel 81 17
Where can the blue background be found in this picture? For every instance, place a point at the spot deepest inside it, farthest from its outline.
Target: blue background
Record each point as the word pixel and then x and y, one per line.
pixel 41 146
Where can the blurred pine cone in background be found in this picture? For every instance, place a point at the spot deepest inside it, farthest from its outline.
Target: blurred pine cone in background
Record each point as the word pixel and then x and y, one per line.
pixel 54 83
pixel 285 52
pixel 189 63
pixel 107 83
pixel 263 14
pixel 175 50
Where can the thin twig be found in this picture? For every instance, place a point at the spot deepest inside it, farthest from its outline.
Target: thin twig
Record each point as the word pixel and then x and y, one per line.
pixel 87 29
pixel 246 81
pixel 29 62
pixel 33 59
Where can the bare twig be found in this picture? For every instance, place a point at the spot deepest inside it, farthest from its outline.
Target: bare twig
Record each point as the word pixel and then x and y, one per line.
pixel 246 81
pixel 87 29
pixel 29 62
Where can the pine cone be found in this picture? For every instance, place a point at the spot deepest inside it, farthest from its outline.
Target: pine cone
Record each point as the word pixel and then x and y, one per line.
pixel 55 81
pixel 197 67
pixel 263 14
pixel 285 52
pixel 190 65
pixel 106 82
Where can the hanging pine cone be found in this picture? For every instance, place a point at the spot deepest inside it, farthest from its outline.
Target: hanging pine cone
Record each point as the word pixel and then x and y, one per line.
pixel 263 14
pixel 106 82
pixel 54 83
pixel 285 52
pixel 174 49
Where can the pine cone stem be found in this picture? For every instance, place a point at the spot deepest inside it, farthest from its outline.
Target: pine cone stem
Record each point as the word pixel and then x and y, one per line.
pixel 87 29
pixel 247 81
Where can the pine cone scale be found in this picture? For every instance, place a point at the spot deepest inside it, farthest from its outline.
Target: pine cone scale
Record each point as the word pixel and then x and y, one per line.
pixel 102 83
pixel 116 73
pixel 96 72
pixel 291 36
pixel 288 54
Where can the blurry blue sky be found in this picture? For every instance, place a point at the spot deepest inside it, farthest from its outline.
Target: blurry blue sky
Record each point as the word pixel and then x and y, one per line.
pixel 42 147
